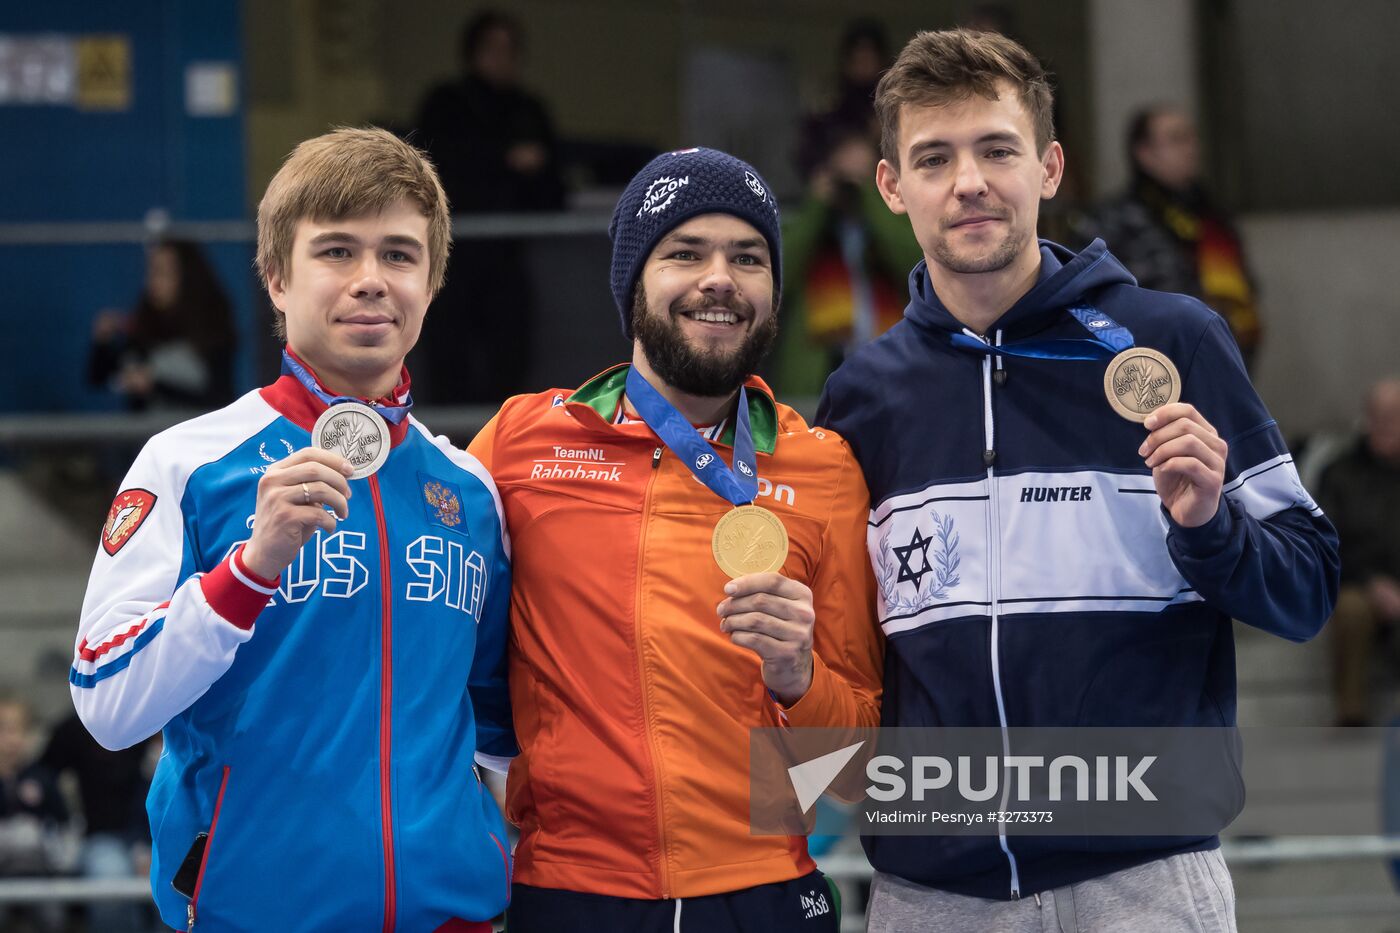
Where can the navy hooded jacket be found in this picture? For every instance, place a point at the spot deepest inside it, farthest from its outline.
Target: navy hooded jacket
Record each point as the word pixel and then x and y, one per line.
pixel 1028 574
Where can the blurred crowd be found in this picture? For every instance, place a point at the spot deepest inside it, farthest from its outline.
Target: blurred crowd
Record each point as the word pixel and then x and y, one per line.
pixel 495 145
pixel 69 807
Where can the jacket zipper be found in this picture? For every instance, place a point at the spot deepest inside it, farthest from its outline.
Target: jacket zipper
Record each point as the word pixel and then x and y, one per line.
pixel 505 859
pixel 989 455
pixel 190 909
pixel 642 675
pixel 386 709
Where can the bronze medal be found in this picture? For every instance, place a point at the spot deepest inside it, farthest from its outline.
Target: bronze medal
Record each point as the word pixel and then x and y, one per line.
pixel 750 539
pixel 1139 381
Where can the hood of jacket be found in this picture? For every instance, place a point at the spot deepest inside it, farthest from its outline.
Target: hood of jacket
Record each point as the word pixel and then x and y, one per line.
pixel 1065 279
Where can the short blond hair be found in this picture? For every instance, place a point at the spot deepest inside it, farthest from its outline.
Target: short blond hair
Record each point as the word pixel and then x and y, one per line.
pixel 937 68
pixel 349 173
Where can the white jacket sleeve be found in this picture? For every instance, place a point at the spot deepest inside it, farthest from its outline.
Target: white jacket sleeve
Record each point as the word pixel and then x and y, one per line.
pixel 154 635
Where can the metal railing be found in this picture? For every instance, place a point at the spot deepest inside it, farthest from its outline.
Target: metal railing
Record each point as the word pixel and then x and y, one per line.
pixel 1236 851
pixel 464 227
pixel 459 422
pixel 841 867
pixel 79 430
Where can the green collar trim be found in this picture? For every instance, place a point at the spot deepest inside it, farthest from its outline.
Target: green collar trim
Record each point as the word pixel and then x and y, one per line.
pixel 603 392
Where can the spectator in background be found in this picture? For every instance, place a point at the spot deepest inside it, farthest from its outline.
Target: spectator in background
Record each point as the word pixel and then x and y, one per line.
pixel 846 257
pixel 993 17
pixel 1361 494
pixel 175 349
pixel 845 254
pixel 1171 234
pixel 863 54
pixel 112 787
pixel 496 152
pixel 32 815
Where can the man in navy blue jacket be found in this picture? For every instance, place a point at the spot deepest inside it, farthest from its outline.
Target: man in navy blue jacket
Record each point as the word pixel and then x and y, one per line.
pixel 1043 561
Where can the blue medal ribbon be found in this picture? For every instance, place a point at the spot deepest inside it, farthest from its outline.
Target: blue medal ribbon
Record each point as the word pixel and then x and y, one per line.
pixel 739 484
pixel 394 414
pixel 1109 339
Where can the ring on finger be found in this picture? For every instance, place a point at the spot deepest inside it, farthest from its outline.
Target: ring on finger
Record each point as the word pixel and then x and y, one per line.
pixel 305 495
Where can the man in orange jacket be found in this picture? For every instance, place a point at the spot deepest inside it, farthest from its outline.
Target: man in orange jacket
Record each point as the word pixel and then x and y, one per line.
pixel 689 565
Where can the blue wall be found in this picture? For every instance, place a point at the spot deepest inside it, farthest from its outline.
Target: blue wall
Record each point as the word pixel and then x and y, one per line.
pixel 62 164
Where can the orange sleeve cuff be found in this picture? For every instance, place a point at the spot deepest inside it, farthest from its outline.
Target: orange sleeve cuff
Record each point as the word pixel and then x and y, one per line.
pixel 815 708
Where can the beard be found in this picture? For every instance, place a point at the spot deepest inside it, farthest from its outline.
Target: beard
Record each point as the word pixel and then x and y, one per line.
pixel 705 373
pixel 1001 256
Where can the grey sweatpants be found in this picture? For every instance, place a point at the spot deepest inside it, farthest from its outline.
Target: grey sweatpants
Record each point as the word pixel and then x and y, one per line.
pixel 1188 893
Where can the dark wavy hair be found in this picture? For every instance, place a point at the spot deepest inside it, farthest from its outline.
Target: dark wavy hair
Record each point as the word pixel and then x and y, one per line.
pixel 200 314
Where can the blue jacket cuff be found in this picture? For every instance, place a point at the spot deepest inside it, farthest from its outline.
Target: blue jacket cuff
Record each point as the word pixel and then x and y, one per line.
pixel 1206 539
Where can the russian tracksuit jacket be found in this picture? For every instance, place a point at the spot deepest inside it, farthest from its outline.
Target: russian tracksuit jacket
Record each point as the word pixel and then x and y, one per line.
pixel 320 729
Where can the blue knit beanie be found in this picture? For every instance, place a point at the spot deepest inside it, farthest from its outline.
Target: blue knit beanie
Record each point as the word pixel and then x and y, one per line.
pixel 672 189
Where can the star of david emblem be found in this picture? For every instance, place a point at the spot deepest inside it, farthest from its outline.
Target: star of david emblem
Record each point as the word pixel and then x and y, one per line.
pixel 906 553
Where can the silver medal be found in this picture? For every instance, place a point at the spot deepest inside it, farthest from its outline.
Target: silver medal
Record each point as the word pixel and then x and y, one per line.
pixel 355 431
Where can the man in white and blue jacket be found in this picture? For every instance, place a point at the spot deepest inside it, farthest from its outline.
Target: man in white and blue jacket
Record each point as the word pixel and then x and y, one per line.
pixel 1041 560
pixel 323 650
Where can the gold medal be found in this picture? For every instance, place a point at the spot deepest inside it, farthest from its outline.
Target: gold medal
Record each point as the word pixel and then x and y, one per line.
pixel 749 539
pixel 1139 381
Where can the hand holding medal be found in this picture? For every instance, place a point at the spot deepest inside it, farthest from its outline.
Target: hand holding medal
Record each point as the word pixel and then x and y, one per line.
pixel 1187 457
pixel 310 489
pixel 765 612
pixel 772 616
pixel 749 539
pixel 306 491
pixel 357 432
pixel 1186 454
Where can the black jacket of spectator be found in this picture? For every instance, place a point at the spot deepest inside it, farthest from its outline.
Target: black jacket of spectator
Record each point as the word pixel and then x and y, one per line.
pixel 1361 494
pixel 477 339
pixel 111 785
pixel 1184 242
pixel 30 796
pixel 469 126
pixel 32 792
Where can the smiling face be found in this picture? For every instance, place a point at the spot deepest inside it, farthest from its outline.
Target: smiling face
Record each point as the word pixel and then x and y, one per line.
pixel 971 181
pixel 703 312
pixel 355 296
